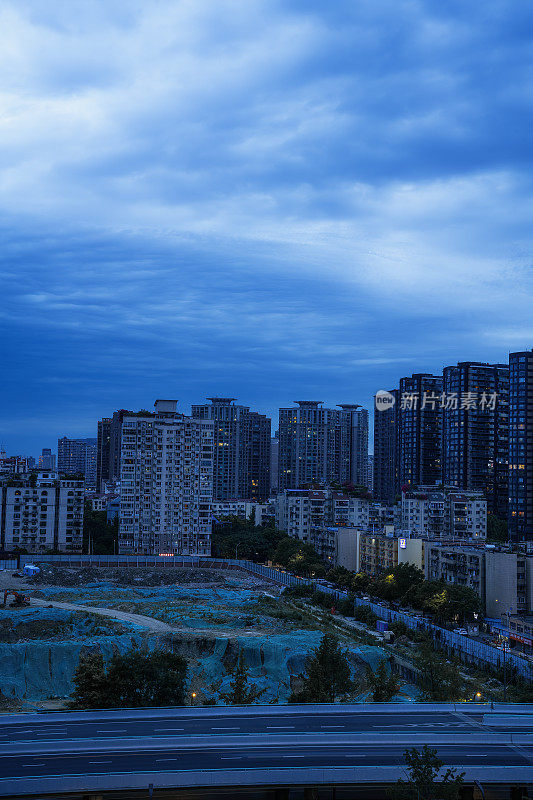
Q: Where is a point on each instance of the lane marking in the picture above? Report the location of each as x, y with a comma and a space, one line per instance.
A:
119, 730
48, 733
34, 765
225, 729
168, 730
166, 759
333, 726
100, 762
280, 727
230, 758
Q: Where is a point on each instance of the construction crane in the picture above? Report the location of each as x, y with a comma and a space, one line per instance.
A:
19, 599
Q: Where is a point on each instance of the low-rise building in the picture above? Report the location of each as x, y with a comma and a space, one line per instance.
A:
379, 553
521, 633
298, 511
258, 513
113, 509
347, 548
456, 564
444, 513
41, 511
503, 579
508, 583
100, 500
15, 465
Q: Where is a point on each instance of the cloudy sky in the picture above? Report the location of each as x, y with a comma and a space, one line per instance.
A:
268, 199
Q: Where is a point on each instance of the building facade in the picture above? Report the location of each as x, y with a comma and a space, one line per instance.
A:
475, 431
41, 512
109, 447
355, 421
274, 463
503, 579
258, 513
166, 483
103, 445
444, 514
260, 442
521, 447
379, 553
321, 446
47, 459
15, 465
241, 466
418, 443
385, 484
78, 456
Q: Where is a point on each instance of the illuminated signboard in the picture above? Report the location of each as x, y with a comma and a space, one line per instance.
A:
403, 544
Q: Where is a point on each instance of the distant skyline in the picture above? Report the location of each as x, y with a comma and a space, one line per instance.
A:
272, 200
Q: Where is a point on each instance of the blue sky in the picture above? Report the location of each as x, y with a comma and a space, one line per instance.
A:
271, 199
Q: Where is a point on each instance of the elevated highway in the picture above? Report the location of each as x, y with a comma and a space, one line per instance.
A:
78, 753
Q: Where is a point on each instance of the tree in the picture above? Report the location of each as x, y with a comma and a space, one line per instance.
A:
98, 532
383, 682
299, 557
440, 680
462, 603
90, 682
327, 674
360, 582
241, 692
341, 576
424, 783
497, 529
132, 680
253, 542
445, 601
400, 579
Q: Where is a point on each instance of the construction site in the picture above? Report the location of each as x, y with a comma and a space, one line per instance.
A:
207, 615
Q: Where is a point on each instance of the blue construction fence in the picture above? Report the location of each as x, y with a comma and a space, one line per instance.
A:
469, 650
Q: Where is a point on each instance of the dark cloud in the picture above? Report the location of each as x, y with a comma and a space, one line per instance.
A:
268, 199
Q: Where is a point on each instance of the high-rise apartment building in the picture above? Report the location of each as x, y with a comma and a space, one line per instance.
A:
418, 443
274, 463
78, 456
521, 446
166, 483
357, 424
385, 487
109, 445
41, 512
320, 446
475, 430
260, 430
103, 443
241, 463
370, 474
47, 459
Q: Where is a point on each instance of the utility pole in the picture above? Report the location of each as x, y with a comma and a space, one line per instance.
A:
504, 673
